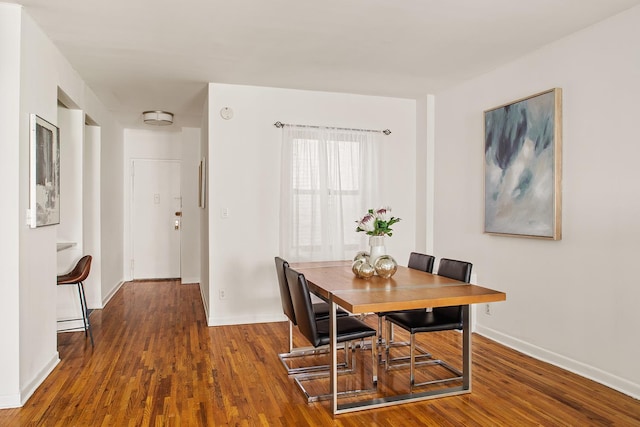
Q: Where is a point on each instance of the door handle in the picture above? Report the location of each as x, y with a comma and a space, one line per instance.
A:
178, 213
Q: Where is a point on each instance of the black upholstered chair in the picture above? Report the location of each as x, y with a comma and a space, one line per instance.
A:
417, 261
438, 319
76, 277
421, 262
320, 310
348, 330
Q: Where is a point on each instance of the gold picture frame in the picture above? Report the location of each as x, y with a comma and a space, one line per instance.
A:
523, 167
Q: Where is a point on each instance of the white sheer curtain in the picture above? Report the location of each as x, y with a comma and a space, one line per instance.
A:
329, 180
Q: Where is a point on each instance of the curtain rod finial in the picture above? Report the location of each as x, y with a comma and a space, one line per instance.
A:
386, 132
278, 124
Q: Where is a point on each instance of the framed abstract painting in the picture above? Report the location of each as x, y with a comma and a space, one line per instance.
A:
44, 171
523, 167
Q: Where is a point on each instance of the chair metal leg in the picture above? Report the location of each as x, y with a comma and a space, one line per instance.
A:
374, 364
412, 349
295, 352
82, 309
349, 348
421, 353
445, 365
386, 350
413, 362
85, 313
290, 336
353, 357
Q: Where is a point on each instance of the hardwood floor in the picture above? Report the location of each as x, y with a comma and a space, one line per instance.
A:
157, 363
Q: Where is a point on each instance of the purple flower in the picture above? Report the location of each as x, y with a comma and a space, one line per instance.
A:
377, 222
383, 214
367, 223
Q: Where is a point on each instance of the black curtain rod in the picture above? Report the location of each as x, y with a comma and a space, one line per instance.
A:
280, 125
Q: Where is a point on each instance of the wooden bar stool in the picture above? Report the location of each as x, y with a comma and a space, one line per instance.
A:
75, 277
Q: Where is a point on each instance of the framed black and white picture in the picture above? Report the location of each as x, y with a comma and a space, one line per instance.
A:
44, 171
523, 167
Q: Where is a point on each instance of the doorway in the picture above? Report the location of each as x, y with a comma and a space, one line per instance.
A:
156, 219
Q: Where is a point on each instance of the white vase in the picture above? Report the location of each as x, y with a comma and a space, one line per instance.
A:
377, 248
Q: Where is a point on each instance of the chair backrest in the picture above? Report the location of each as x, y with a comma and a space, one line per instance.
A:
453, 269
302, 305
457, 270
421, 262
285, 294
81, 271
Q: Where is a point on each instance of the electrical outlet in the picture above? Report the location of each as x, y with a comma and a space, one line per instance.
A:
222, 294
487, 309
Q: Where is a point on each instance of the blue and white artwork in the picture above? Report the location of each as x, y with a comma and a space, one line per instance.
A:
522, 167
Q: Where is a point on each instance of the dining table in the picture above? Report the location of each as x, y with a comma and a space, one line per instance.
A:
335, 282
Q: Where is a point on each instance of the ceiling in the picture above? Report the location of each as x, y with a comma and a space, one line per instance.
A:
140, 55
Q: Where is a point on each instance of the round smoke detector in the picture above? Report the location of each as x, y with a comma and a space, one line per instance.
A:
157, 118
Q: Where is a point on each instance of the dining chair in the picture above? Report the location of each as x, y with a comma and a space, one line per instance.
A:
438, 319
321, 311
421, 262
417, 261
348, 330
76, 277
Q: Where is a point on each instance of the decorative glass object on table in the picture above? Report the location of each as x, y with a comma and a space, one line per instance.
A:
385, 266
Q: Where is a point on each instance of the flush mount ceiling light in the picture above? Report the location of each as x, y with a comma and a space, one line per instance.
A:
157, 118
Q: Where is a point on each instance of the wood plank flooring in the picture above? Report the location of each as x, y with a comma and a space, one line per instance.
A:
156, 363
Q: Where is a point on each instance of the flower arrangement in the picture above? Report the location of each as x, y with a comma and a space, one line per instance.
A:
377, 222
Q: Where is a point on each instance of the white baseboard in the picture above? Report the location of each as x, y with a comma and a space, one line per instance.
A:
75, 324
620, 384
30, 388
205, 305
110, 295
9, 401
190, 280
243, 320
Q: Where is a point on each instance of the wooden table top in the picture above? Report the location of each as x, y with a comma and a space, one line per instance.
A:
407, 289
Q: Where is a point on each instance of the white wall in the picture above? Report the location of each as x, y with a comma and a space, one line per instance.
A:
183, 146
11, 217
32, 71
205, 137
425, 117
91, 214
190, 245
244, 177
70, 229
572, 302
111, 205
79, 212
37, 249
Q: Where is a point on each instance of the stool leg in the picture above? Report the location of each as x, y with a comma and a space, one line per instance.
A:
85, 314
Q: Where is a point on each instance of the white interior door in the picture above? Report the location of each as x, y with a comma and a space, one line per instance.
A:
156, 219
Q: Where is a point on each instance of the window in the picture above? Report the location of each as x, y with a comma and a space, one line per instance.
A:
328, 182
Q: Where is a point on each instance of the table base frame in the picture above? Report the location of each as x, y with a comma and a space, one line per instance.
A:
343, 408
